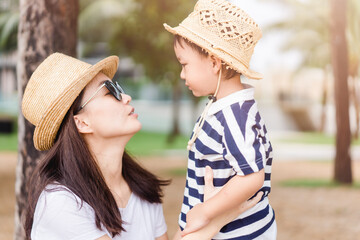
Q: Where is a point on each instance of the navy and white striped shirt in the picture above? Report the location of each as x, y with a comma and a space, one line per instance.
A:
233, 141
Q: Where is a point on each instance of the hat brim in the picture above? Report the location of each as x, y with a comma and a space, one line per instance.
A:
46, 131
227, 58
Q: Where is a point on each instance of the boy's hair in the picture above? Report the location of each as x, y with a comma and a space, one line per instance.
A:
226, 71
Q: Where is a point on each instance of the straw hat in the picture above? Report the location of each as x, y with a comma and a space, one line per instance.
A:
53, 88
223, 30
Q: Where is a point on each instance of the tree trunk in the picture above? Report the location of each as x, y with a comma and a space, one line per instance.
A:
175, 131
45, 27
342, 171
324, 98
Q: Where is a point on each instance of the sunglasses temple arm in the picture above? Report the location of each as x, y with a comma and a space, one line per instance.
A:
92, 95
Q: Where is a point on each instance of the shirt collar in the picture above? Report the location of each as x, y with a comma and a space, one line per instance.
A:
240, 96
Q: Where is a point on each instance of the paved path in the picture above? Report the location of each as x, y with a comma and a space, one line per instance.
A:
311, 152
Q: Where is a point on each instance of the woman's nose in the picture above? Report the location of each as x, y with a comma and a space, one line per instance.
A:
125, 98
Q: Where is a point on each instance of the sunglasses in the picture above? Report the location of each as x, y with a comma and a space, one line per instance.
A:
114, 89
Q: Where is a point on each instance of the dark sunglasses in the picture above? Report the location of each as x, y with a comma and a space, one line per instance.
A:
114, 89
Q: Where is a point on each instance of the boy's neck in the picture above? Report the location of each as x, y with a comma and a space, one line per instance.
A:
229, 86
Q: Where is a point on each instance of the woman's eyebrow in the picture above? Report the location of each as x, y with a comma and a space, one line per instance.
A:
102, 82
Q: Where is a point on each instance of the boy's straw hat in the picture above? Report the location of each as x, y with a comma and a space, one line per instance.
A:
223, 30
53, 88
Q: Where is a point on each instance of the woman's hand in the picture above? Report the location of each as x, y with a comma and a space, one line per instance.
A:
196, 229
196, 218
209, 189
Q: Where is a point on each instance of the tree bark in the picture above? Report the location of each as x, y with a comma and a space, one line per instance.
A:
324, 98
176, 96
45, 27
342, 171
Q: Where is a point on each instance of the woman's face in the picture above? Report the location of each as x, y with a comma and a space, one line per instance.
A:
103, 115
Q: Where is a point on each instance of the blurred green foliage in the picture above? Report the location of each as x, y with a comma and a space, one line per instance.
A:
9, 21
135, 28
309, 24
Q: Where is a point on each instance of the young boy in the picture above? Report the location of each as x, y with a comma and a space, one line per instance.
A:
214, 45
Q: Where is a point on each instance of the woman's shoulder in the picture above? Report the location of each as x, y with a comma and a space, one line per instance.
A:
59, 212
56, 194
56, 200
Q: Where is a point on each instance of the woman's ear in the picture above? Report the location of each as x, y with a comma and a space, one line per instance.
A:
82, 125
216, 64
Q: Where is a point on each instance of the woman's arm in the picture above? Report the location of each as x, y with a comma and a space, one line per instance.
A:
105, 237
177, 235
163, 237
210, 230
232, 195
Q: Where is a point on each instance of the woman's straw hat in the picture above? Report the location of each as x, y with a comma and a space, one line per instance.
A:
53, 88
223, 30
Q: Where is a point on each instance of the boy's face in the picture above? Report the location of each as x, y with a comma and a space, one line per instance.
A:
197, 70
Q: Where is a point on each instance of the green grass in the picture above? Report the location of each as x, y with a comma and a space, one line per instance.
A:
142, 144
315, 183
314, 138
151, 143
8, 142
178, 172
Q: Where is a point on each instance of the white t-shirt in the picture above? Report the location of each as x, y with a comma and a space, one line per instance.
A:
60, 215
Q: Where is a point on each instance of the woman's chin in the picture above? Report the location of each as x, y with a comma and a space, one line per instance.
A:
139, 128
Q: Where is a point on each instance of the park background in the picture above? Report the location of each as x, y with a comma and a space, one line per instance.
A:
296, 98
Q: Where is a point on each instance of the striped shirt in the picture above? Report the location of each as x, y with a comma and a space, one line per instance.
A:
233, 141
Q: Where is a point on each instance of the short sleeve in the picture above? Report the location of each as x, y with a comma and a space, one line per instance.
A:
243, 138
160, 227
60, 215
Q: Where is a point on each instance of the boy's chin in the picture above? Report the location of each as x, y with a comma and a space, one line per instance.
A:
197, 94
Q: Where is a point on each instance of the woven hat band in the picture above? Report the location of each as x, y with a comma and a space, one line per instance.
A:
217, 46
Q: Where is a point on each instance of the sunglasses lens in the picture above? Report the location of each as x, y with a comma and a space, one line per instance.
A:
119, 87
115, 89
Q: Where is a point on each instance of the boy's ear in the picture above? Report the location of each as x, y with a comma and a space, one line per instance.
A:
82, 125
216, 64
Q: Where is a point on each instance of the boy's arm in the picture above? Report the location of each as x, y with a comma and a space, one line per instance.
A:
235, 192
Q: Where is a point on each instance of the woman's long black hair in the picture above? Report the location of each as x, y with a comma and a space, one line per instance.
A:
70, 163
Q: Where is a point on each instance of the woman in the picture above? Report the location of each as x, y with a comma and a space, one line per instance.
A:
87, 186
77, 190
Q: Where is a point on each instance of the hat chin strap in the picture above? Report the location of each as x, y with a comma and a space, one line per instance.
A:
201, 121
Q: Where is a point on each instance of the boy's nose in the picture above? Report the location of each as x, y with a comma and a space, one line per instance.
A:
182, 75
125, 98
